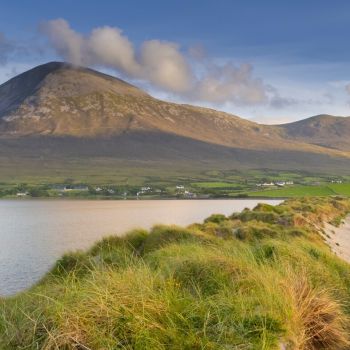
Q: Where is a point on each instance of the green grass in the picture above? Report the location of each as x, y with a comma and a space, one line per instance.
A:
214, 184
301, 191
342, 189
260, 279
130, 177
295, 191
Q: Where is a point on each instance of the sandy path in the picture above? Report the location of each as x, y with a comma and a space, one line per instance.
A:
338, 238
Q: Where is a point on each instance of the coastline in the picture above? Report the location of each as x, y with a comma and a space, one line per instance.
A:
338, 238
259, 263
142, 199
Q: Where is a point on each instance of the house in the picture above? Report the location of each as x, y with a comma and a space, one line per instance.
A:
336, 181
22, 194
180, 187
59, 188
188, 194
98, 189
146, 189
280, 183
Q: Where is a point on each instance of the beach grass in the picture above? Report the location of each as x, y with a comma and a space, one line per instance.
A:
259, 279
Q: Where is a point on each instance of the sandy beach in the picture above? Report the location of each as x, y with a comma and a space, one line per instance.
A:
338, 238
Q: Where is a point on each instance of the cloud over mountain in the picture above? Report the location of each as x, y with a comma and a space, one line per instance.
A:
161, 63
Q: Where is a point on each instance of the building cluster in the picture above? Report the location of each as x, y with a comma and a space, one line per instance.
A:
276, 183
108, 190
181, 190
68, 188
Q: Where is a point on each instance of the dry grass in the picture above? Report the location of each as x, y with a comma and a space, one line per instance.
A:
317, 318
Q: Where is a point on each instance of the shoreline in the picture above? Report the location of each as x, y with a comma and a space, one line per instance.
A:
338, 238
142, 199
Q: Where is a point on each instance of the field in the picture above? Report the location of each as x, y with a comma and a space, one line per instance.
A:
131, 177
260, 279
301, 191
213, 184
342, 189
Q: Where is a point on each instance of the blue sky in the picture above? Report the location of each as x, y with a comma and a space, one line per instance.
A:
271, 61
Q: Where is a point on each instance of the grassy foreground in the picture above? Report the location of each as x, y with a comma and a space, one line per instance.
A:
260, 279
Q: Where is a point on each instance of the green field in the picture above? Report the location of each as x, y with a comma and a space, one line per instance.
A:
301, 191
343, 189
213, 184
130, 177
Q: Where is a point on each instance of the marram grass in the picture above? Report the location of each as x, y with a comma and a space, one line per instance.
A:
260, 279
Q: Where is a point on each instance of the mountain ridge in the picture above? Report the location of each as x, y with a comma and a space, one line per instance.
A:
59, 100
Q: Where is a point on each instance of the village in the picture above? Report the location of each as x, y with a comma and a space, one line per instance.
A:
186, 189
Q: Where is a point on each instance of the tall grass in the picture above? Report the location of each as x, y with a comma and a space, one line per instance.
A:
261, 279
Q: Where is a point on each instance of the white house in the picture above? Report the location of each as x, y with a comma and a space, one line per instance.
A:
22, 194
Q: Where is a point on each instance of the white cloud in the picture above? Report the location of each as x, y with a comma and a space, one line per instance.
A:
230, 83
160, 63
165, 66
68, 43
108, 46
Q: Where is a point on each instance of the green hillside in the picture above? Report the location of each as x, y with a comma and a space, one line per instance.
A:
260, 279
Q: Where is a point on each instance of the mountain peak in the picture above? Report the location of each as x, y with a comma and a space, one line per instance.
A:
35, 92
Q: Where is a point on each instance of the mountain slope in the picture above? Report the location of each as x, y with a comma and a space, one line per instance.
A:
323, 130
63, 100
57, 112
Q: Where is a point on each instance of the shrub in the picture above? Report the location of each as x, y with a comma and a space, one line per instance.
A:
162, 235
256, 231
215, 218
77, 263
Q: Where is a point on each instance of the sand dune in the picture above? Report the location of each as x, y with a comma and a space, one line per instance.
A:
338, 238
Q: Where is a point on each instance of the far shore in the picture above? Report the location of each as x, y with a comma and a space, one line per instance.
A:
141, 199
338, 238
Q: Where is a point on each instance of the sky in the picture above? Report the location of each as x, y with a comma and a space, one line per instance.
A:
272, 61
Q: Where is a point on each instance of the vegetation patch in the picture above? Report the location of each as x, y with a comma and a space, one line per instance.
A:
259, 279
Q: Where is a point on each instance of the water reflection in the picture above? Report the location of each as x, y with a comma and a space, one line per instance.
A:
34, 233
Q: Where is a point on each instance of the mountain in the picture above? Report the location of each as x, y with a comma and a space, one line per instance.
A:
61, 116
323, 130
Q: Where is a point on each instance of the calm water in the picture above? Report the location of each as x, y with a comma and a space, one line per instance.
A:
34, 233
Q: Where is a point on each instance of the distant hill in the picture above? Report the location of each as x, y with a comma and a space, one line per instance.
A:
323, 130
59, 115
